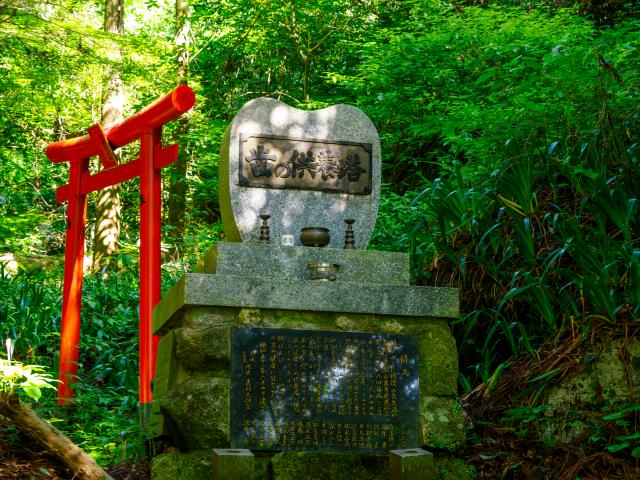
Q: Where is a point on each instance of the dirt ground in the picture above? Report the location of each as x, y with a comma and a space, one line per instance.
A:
23, 459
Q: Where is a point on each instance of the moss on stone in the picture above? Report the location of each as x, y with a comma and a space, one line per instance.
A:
232, 464
204, 348
438, 360
207, 317
199, 409
443, 423
602, 379
410, 464
182, 466
328, 466
261, 467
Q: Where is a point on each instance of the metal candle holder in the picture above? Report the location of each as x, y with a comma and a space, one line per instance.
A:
349, 239
264, 229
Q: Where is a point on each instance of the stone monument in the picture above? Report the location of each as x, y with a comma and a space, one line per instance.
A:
280, 360
303, 168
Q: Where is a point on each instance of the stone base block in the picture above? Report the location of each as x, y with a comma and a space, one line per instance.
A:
274, 261
410, 464
232, 464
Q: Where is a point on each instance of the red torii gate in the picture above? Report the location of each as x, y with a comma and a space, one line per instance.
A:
146, 126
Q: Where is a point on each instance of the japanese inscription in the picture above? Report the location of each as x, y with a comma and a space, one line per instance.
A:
330, 391
280, 162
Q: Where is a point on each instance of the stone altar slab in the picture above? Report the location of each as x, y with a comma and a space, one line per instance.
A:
304, 168
323, 390
196, 289
276, 261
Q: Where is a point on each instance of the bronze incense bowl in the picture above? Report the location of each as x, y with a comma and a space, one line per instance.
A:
315, 236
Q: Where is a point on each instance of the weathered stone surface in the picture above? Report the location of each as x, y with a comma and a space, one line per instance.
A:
232, 464
247, 292
451, 468
437, 353
168, 373
206, 317
443, 423
204, 348
276, 262
602, 379
292, 209
438, 360
410, 464
197, 411
165, 366
328, 466
168, 314
182, 466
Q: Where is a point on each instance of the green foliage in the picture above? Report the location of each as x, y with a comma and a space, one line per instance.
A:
28, 379
626, 418
565, 254
104, 420
16, 378
523, 119
30, 313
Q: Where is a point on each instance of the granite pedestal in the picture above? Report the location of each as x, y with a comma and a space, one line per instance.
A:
248, 285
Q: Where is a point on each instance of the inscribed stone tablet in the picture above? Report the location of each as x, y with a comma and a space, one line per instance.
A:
303, 168
328, 391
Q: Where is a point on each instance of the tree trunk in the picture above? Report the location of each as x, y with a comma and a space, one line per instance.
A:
178, 176
50, 438
107, 226
307, 73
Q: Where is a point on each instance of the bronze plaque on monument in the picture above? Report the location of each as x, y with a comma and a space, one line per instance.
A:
321, 390
281, 162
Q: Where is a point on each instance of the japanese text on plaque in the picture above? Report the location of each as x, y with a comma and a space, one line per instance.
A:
279, 162
301, 389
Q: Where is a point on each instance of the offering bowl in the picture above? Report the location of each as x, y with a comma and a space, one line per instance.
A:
315, 236
323, 271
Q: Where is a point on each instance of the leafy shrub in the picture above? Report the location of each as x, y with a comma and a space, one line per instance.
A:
528, 122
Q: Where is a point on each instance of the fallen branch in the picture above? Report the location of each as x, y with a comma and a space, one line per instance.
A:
54, 441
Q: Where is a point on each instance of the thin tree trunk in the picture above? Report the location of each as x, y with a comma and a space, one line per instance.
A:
178, 177
50, 438
307, 73
108, 206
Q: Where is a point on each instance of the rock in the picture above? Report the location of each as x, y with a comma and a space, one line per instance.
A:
410, 464
600, 379
443, 423
205, 348
197, 411
438, 360
232, 463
